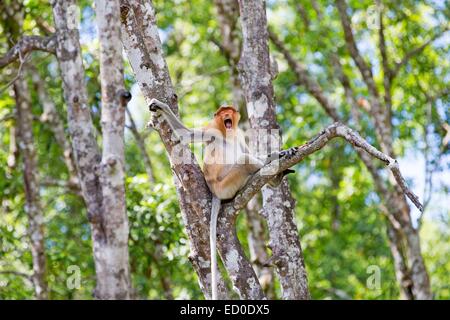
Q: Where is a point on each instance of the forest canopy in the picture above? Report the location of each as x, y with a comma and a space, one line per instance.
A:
92, 204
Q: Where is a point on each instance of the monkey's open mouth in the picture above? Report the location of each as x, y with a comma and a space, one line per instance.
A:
228, 123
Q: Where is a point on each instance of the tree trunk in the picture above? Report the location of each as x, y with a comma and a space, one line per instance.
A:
13, 152
31, 184
239, 269
278, 205
401, 270
112, 275
258, 249
113, 251
228, 18
51, 116
12, 24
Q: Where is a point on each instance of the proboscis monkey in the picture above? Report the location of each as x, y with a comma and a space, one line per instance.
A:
227, 162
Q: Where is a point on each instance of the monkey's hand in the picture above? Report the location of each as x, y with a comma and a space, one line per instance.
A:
158, 106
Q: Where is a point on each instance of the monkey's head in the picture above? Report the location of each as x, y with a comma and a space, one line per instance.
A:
226, 119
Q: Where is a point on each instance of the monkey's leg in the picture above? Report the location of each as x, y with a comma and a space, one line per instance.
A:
251, 163
228, 184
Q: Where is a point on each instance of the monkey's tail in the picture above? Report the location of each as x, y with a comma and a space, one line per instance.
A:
215, 208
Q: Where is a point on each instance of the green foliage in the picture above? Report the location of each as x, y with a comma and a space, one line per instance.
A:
436, 237
158, 244
341, 228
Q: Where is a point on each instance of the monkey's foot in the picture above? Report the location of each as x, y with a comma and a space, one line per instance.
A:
275, 182
281, 154
288, 153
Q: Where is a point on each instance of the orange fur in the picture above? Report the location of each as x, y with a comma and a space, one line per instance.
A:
225, 179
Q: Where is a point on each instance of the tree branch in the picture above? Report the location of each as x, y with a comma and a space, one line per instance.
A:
304, 78
303, 14
382, 40
350, 95
70, 185
415, 51
17, 273
26, 45
387, 71
331, 108
381, 116
362, 65
297, 154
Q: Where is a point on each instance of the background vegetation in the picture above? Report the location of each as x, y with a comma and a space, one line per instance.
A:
337, 211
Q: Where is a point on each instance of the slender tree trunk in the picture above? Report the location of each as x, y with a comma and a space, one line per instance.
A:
31, 184
258, 249
13, 152
51, 116
278, 205
81, 129
12, 22
230, 45
109, 228
417, 268
401, 270
115, 273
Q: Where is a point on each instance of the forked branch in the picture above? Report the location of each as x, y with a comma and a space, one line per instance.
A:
297, 154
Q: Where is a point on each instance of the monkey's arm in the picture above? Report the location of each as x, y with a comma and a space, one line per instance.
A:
186, 135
